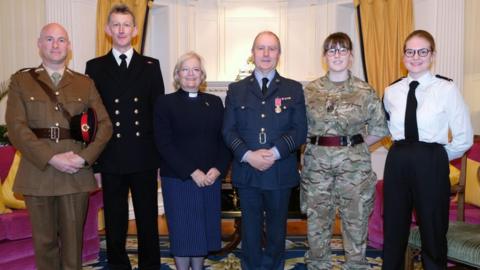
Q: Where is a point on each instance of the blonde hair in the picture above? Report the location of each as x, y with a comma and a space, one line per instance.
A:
178, 66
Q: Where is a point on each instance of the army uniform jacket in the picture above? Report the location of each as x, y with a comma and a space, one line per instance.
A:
28, 107
344, 110
253, 122
129, 99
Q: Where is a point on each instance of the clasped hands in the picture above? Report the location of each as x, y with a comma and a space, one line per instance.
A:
67, 162
202, 179
261, 159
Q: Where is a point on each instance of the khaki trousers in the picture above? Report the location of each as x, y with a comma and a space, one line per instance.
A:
57, 227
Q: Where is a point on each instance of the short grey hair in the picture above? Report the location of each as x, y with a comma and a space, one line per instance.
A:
178, 66
267, 33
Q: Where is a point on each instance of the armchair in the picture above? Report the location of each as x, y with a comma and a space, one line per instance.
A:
463, 236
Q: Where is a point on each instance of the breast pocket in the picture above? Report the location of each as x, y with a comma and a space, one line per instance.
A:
350, 113
75, 105
36, 109
283, 115
244, 114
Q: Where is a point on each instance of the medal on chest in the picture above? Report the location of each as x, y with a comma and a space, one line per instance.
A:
278, 105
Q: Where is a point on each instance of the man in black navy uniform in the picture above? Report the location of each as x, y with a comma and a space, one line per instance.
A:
129, 85
264, 125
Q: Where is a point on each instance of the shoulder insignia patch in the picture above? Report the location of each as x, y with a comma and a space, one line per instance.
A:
444, 78
23, 70
397, 80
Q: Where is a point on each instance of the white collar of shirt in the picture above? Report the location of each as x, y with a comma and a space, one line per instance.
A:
117, 53
259, 76
51, 71
423, 81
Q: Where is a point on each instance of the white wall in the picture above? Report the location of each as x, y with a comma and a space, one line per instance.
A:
20, 23
222, 31
472, 61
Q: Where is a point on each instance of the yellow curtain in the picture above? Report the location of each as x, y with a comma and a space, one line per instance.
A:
104, 42
385, 25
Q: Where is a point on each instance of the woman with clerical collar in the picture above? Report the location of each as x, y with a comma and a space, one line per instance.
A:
194, 159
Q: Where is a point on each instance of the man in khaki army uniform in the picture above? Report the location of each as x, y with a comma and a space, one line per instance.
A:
337, 170
54, 174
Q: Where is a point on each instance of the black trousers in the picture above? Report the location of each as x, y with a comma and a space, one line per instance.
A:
416, 176
143, 187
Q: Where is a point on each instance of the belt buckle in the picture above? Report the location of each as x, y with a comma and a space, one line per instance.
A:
54, 134
345, 141
262, 136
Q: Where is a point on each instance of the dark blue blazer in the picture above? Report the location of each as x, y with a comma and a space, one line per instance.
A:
129, 99
188, 134
282, 116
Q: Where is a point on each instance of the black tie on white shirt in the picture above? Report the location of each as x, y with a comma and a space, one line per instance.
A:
123, 64
411, 127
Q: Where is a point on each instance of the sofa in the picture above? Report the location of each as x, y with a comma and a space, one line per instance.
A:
16, 246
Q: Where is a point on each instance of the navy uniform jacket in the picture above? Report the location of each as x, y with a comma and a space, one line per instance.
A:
129, 99
253, 122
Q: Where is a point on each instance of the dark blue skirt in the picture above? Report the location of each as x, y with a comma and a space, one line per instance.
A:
193, 216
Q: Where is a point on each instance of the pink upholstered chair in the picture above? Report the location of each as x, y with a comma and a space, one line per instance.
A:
16, 247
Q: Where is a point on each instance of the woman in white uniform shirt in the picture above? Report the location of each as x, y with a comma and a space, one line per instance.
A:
421, 108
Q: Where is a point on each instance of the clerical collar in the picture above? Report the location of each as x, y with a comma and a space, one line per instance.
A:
192, 94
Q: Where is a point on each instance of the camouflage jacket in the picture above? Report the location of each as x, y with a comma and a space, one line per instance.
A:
348, 108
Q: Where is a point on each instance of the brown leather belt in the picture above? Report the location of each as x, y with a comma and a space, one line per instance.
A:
337, 140
52, 133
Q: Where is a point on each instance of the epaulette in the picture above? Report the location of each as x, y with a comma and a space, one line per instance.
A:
24, 70
397, 80
75, 73
444, 78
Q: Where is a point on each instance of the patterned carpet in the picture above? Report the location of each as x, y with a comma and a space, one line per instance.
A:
296, 247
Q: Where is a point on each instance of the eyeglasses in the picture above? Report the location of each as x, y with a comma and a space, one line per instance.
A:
186, 70
421, 52
333, 51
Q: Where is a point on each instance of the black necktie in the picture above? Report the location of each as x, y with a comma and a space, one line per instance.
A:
264, 86
411, 128
123, 64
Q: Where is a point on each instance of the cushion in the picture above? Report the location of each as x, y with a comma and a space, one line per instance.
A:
472, 192
6, 158
8, 196
3, 208
463, 242
454, 175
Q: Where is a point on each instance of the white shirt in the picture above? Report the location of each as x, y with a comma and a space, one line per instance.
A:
440, 108
117, 54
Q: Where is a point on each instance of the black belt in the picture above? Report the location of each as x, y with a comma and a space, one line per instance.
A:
337, 140
52, 133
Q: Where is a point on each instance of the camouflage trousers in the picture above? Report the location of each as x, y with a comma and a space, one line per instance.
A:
337, 178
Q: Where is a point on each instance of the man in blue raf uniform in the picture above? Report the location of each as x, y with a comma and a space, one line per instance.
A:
264, 125
129, 84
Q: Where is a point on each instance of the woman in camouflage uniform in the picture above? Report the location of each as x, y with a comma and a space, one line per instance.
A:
344, 117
